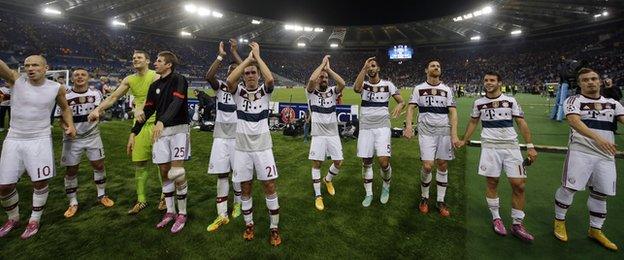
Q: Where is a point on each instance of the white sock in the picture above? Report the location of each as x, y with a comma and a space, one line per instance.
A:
273, 206
597, 206
71, 188
367, 174
425, 182
10, 204
168, 188
442, 183
181, 191
99, 177
316, 181
223, 187
386, 176
333, 171
493, 205
563, 200
39, 200
236, 186
517, 216
247, 208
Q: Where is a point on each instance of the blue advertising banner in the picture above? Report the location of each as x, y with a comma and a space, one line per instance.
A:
345, 112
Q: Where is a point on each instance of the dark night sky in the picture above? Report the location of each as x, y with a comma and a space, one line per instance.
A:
341, 12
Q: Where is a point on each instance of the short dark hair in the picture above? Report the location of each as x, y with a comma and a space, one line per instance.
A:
432, 60
494, 73
170, 58
145, 54
585, 71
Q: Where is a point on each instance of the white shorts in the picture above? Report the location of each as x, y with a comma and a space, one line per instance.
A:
434, 147
246, 162
582, 170
35, 156
169, 148
374, 141
74, 148
494, 160
322, 146
221, 156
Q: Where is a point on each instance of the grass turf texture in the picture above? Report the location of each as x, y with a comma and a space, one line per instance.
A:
344, 229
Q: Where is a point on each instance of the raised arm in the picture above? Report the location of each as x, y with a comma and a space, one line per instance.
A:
264, 69
212, 71
313, 81
234, 51
575, 122
110, 101
67, 118
340, 83
359, 81
9, 75
234, 77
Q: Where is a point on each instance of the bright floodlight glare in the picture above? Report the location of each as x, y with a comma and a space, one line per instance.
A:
297, 28
516, 32
245, 41
334, 45
487, 10
217, 14
185, 33
475, 38
254, 21
308, 29
191, 8
597, 15
203, 11
241, 40
52, 11
318, 29
301, 44
118, 23
288, 27
605, 13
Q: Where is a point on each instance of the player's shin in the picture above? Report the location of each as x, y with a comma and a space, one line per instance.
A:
40, 197
563, 200
247, 207
442, 183
333, 172
71, 188
386, 175
99, 177
597, 205
223, 186
181, 191
273, 206
367, 175
316, 181
167, 189
425, 182
140, 174
10, 203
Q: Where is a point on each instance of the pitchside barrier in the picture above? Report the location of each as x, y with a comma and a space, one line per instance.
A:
545, 148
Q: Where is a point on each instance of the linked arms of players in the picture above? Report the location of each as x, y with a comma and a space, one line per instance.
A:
67, 119
111, 100
9, 75
575, 122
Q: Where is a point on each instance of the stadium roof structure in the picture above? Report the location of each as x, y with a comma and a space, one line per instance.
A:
345, 24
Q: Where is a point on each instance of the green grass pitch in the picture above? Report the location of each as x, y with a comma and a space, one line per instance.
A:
344, 230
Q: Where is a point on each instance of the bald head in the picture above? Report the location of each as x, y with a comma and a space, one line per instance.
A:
36, 67
36, 58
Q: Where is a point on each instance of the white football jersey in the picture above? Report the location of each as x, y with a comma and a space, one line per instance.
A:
323, 112
496, 115
225, 123
252, 111
31, 109
599, 115
433, 103
374, 107
81, 105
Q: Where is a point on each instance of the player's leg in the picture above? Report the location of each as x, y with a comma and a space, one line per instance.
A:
444, 153
222, 197
383, 149
236, 186
266, 171
493, 203
365, 150
243, 174
39, 163
95, 153
517, 209
427, 145
334, 149
168, 189
141, 154
39, 199
219, 165
602, 184
71, 189
318, 149
177, 174
11, 167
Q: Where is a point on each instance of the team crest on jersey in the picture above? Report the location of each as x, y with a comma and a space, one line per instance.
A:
505, 104
597, 106
82, 100
443, 94
433, 92
495, 104
374, 89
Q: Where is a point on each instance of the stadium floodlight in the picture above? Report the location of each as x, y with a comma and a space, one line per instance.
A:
254, 21
191, 8
477, 13
288, 27
202, 11
468, 16
51, 11
118, 23
597, 15
319, 29
297, 28
605, 13
301, 44
334, 45
185, 34
487, 10
516, 32
308, 29
475, 38
216, 14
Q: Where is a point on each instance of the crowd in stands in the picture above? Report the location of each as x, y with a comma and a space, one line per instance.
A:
107, 52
